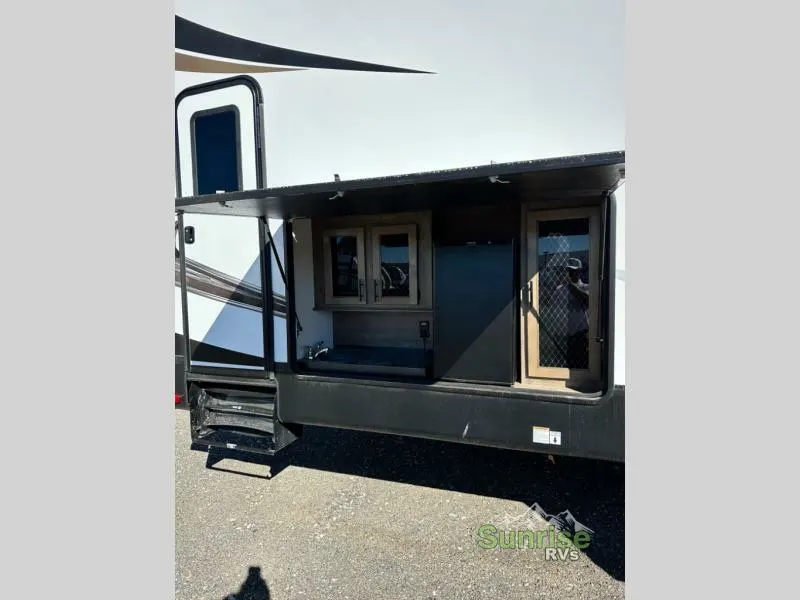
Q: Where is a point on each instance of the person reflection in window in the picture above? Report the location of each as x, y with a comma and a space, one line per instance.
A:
578, 317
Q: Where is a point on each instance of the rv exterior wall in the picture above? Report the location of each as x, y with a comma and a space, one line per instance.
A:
510, 80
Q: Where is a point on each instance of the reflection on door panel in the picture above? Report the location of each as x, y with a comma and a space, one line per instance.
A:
563, 256
395, 264
345, 266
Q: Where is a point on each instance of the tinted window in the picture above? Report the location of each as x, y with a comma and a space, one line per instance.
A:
395, 263
344, 265
216, 152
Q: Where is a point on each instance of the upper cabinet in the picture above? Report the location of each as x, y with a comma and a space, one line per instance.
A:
394, 265
379, 262
344, 266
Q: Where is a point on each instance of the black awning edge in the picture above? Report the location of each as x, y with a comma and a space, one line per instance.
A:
466, 173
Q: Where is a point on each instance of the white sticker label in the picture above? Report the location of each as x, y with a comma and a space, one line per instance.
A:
541, 435
555, 438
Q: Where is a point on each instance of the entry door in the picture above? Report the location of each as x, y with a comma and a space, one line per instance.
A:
219, 149
560, 304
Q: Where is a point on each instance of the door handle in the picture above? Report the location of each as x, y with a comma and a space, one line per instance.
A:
527, 296
360, 289
377, 289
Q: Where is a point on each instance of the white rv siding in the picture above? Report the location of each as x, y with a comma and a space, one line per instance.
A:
512, 80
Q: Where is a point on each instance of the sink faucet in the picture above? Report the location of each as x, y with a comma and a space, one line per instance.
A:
316, 350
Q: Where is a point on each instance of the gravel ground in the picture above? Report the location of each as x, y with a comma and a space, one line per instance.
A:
353, 515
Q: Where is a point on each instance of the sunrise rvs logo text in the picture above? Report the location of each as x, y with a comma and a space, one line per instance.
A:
562, 539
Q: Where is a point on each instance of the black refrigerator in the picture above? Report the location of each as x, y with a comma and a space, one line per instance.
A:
474, 320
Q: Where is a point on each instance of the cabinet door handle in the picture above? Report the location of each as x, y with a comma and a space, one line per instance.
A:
527, 297
377, 290
360, 289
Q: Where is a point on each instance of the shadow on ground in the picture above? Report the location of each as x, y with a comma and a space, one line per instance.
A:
593, 491
253, 588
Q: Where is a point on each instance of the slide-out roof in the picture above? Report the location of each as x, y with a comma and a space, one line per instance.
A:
565, 177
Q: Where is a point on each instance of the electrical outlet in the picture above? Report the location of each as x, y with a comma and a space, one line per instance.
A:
424, 329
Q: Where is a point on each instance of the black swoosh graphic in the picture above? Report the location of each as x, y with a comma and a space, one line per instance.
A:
209, 353
215, 285
192, 37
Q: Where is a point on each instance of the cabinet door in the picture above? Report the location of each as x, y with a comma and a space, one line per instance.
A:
394, 265
344, 266
563, 286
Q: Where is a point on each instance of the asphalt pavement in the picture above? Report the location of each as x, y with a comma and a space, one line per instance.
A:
352, 515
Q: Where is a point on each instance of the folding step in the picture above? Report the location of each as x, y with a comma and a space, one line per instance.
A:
236, 415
